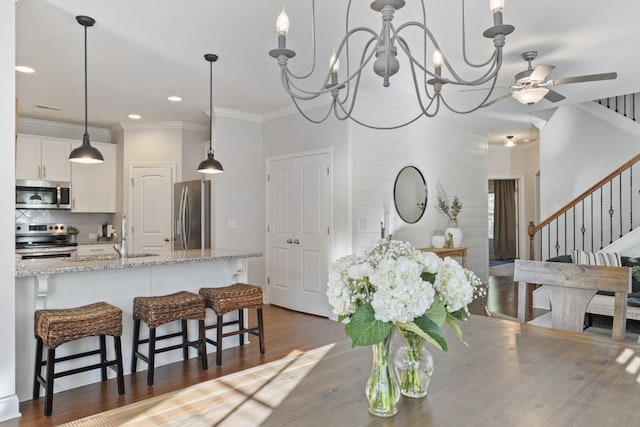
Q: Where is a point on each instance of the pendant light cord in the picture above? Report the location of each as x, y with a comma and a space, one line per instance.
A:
86, 102
211, 107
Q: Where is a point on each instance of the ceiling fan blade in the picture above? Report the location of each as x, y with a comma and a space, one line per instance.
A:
498, 99
554, 96
541, 72
587, 78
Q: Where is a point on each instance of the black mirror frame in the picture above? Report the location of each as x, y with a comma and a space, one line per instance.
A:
426, 194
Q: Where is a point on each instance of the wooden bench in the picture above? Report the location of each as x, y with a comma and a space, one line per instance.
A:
571, 288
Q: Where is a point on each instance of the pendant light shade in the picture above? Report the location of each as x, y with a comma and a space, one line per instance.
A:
85, 153
210, 165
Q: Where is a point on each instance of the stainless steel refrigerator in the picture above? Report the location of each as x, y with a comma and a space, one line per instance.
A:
192, 213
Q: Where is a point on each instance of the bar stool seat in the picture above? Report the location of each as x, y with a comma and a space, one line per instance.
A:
54, 327
158, 310
226, 299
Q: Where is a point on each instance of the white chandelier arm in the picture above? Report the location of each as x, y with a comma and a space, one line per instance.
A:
313, 41
287, 85
306, 116
464, 44
458, 80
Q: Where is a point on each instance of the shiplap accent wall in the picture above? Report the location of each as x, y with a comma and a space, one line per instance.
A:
442, 151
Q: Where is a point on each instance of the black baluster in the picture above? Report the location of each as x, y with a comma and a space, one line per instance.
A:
549, 241
583, 228
565, 232
601, 216
631, 197
611, 212
620, 198
557, 246
591, 221
624, 97
573, 211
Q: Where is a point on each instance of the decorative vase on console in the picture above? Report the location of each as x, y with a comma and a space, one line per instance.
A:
437, 239
455, 232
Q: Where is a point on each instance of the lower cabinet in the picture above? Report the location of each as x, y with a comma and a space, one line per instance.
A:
96, 249
93, 186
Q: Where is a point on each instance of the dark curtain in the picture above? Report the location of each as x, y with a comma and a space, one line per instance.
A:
504, 226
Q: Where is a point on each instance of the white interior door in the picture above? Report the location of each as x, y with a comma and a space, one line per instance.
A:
299, 215
151, 210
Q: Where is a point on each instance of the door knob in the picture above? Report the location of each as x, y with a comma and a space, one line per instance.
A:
166, 239
289, 241
297, 242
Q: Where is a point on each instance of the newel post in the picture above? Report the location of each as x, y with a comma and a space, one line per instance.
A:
532, 232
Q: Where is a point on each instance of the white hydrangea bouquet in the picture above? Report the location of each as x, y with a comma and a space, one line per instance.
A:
394, 285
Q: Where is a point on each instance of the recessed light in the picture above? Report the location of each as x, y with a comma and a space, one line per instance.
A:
135, 116
25, 69
174, 98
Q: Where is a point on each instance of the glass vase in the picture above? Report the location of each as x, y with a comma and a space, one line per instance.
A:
413, 365
382, 392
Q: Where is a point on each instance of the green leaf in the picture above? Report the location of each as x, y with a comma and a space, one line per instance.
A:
364, 329
341, 318
428, 277
453, 325
461, 314
431, 331
437, 312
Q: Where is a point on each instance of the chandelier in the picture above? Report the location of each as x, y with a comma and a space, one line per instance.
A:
382, 49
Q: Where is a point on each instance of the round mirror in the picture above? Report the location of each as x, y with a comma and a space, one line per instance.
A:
410, 194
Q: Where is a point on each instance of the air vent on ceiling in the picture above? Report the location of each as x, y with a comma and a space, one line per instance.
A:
48, 107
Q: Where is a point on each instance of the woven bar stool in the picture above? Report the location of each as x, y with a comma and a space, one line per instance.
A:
55, 327
158, 310
229, 298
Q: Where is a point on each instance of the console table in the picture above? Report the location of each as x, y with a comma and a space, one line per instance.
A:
460, 252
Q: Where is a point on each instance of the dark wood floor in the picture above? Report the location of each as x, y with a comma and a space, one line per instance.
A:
285, 331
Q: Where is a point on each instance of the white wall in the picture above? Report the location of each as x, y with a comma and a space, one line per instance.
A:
239, 203
8, 398
442, 151
579, 146
522, 163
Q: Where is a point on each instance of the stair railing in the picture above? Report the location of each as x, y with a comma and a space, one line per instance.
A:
623, 104
594, 219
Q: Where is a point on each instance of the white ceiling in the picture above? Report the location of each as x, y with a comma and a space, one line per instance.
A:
141, 51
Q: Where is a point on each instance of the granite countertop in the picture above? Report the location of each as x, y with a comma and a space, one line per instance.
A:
36, 267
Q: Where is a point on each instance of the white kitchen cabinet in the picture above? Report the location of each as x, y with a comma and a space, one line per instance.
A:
96, 249
93, 186
43, 158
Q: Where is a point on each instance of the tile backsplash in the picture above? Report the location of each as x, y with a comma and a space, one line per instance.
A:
87, 223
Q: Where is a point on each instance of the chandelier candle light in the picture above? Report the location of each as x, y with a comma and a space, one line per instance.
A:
382, 48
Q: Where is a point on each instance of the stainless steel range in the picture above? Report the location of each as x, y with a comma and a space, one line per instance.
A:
43, 241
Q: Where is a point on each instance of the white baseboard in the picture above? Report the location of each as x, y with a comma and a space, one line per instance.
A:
9, 407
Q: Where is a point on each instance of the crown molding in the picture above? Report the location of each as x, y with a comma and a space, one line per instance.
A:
161, 125
65, 130
236, 114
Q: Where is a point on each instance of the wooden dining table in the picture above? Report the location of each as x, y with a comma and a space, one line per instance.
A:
510, 374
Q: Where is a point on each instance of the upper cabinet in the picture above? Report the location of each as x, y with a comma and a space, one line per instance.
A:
93, 186
43, 158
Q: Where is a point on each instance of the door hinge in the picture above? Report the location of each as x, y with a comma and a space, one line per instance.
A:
267, 228
268, 177
327, 170
132, 182
268, 280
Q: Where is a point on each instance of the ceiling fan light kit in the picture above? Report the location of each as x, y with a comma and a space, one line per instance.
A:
85, 153
531, 85
382, 51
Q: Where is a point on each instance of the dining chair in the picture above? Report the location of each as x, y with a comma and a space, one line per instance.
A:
570, 288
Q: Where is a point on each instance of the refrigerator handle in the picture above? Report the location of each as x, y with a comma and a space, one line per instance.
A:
182, 218
187, 219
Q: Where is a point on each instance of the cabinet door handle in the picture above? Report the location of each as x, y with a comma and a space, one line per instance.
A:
73, 203
44, 171
297, 242
289, 241
39, 171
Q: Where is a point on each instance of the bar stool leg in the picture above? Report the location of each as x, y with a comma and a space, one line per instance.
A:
38, 369
119, 371
48, 401
185, 339
260, 331
136, 336
103, 357
241, 326
203, 345
152, 355
219, 341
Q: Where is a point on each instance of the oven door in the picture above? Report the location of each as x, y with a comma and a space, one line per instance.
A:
47, 252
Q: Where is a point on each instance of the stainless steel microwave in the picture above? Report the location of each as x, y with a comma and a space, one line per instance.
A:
42, 195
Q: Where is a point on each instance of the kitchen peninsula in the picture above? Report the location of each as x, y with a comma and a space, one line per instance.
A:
69, 282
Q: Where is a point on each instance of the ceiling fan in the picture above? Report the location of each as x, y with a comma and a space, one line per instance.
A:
531, 84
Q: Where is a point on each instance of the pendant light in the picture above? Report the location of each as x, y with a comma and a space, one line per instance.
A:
85, 153
210, 165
